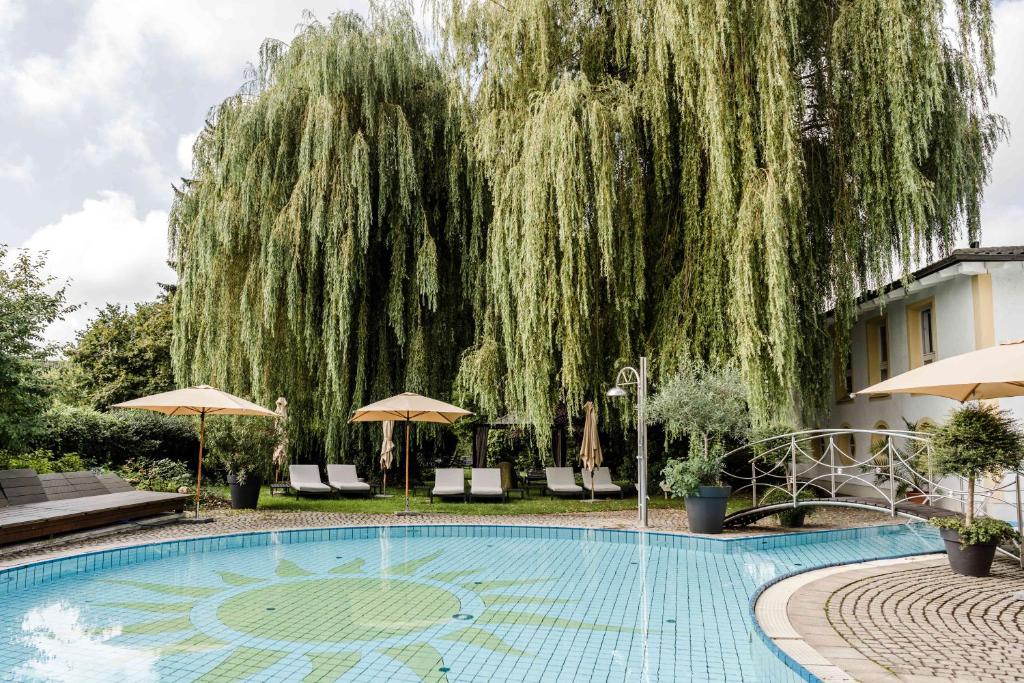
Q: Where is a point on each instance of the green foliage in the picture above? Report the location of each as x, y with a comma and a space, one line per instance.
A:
981, 530
156, 475
27, 308
570, 184
978, 439
122, 355
789, 518
702, 468
42, 461
114, 438
320, 243
704, 178
708, 403
240, 445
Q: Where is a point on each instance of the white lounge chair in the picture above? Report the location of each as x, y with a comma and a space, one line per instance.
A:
486, 482
449, 481
602, 482
562, 482
343, 478
306, 479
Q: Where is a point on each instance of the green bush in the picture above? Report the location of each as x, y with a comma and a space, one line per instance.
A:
242, 446
789, 518
42, 461
702, 468
980, 531
116, 437
155, 475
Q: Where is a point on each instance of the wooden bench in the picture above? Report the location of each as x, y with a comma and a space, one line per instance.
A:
33, 506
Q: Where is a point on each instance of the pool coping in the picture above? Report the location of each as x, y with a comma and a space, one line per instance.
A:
35, 571
769, 613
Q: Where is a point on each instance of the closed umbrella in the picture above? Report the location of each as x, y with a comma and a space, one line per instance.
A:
202, 400
387, 451
281, 425
409, 407
590, 450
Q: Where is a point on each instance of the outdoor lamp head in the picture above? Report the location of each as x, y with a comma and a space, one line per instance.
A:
616, 391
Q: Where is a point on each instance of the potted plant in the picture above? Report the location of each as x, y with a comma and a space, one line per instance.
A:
709, 404
794, 517
977, 440
242, 447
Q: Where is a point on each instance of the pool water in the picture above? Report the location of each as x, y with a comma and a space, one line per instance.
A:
416, 604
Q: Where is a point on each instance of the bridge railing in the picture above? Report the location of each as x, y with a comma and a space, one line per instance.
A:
898, 468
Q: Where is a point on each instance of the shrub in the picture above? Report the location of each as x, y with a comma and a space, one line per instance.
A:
240, 445
982, 530
114, 438
788, 518
155, 475
701, 468
42, 461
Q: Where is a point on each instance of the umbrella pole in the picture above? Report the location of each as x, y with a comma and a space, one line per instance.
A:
199, 469
407, 466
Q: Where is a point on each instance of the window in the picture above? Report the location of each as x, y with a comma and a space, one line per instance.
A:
927, 338
883, 352
848, 374
922, 342
842, 374
877, 339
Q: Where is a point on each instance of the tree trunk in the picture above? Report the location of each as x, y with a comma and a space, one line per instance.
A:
969, 516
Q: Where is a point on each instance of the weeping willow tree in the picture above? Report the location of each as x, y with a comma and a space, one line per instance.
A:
567, 184
702, 178
320, 242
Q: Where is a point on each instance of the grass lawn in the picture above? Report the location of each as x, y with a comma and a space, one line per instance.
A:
535, 505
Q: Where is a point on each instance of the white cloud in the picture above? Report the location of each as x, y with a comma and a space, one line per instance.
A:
11, 12
117, 38
127, 134
17, 171
184, 150
109, 253
1003, 212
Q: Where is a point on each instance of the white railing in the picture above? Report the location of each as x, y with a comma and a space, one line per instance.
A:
897, 469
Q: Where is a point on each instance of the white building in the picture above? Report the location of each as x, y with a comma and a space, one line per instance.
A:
971, 299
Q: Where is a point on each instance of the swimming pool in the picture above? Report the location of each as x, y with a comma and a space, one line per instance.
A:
416, 603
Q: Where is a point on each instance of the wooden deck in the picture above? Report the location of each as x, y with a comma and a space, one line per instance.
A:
50, 517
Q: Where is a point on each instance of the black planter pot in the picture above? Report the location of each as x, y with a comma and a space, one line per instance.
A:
705, 511
971, 560
244, 496
793, 519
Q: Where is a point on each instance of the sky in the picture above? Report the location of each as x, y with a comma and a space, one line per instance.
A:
101, 100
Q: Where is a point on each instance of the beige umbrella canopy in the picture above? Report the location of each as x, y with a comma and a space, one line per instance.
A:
387, 451
409, 407
202, 400
993, 372
590, 450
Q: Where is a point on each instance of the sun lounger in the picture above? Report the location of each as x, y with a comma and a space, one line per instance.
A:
306, 479
602, 482
449, 481
486, 482
343, 478
562, 482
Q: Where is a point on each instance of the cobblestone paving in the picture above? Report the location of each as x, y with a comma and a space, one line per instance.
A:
929, 622
226, 522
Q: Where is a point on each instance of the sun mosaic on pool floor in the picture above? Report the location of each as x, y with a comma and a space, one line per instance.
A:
339, 620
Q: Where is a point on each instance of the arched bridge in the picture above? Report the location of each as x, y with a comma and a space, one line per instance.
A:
822, 468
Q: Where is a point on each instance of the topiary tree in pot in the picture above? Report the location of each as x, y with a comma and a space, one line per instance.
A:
977, 440
242, 447
708, 404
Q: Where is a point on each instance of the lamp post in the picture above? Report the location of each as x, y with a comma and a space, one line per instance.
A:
629, 376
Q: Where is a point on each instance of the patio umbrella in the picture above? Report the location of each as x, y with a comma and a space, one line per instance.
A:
992, 372
590, 450
989, 373
202, 400
409, 407
387, 450
280, 424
